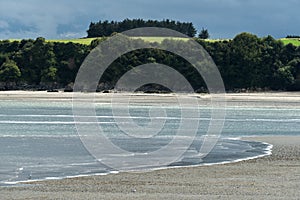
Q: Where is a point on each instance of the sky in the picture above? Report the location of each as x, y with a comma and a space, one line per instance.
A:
58, 19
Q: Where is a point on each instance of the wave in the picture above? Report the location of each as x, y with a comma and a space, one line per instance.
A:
266, 149
12, 183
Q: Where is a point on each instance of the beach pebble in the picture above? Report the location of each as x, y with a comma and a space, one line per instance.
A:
133, 190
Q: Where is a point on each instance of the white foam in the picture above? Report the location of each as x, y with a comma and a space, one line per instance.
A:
58, 178
267, 152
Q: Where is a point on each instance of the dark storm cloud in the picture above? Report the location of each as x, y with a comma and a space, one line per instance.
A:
223, 18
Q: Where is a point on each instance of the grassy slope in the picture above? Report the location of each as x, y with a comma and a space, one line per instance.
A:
87, 41
294, 41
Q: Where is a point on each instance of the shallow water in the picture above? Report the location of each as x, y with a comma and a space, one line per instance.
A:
38, 140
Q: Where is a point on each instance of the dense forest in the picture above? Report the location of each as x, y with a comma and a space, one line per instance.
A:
256, 63
106, 28
246, 63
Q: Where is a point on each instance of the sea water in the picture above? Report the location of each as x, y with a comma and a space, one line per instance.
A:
39, 140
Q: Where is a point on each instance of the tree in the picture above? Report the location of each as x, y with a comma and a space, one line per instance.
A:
203, 34
284, 77
34, 57
106, 28
245, 60
9, 71
49, 75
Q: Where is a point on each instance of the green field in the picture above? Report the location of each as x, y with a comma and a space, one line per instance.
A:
159, 39
87, 41
294, 41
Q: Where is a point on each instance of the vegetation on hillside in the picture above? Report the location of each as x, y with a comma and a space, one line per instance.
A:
251, 62
106, 28
245, 62
293, 41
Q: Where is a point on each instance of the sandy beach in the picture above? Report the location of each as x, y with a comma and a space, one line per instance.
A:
263, 99
272, 177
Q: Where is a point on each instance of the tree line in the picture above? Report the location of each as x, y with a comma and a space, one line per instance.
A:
245, 62
107, 28
292, 36
256, 63
37, 63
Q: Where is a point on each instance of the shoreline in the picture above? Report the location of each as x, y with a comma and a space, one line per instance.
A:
266, 152
273, 176
259, 99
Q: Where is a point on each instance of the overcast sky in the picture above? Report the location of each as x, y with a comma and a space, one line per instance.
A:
223, 18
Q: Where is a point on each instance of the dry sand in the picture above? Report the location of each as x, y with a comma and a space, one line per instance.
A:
269, 99
272, 177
